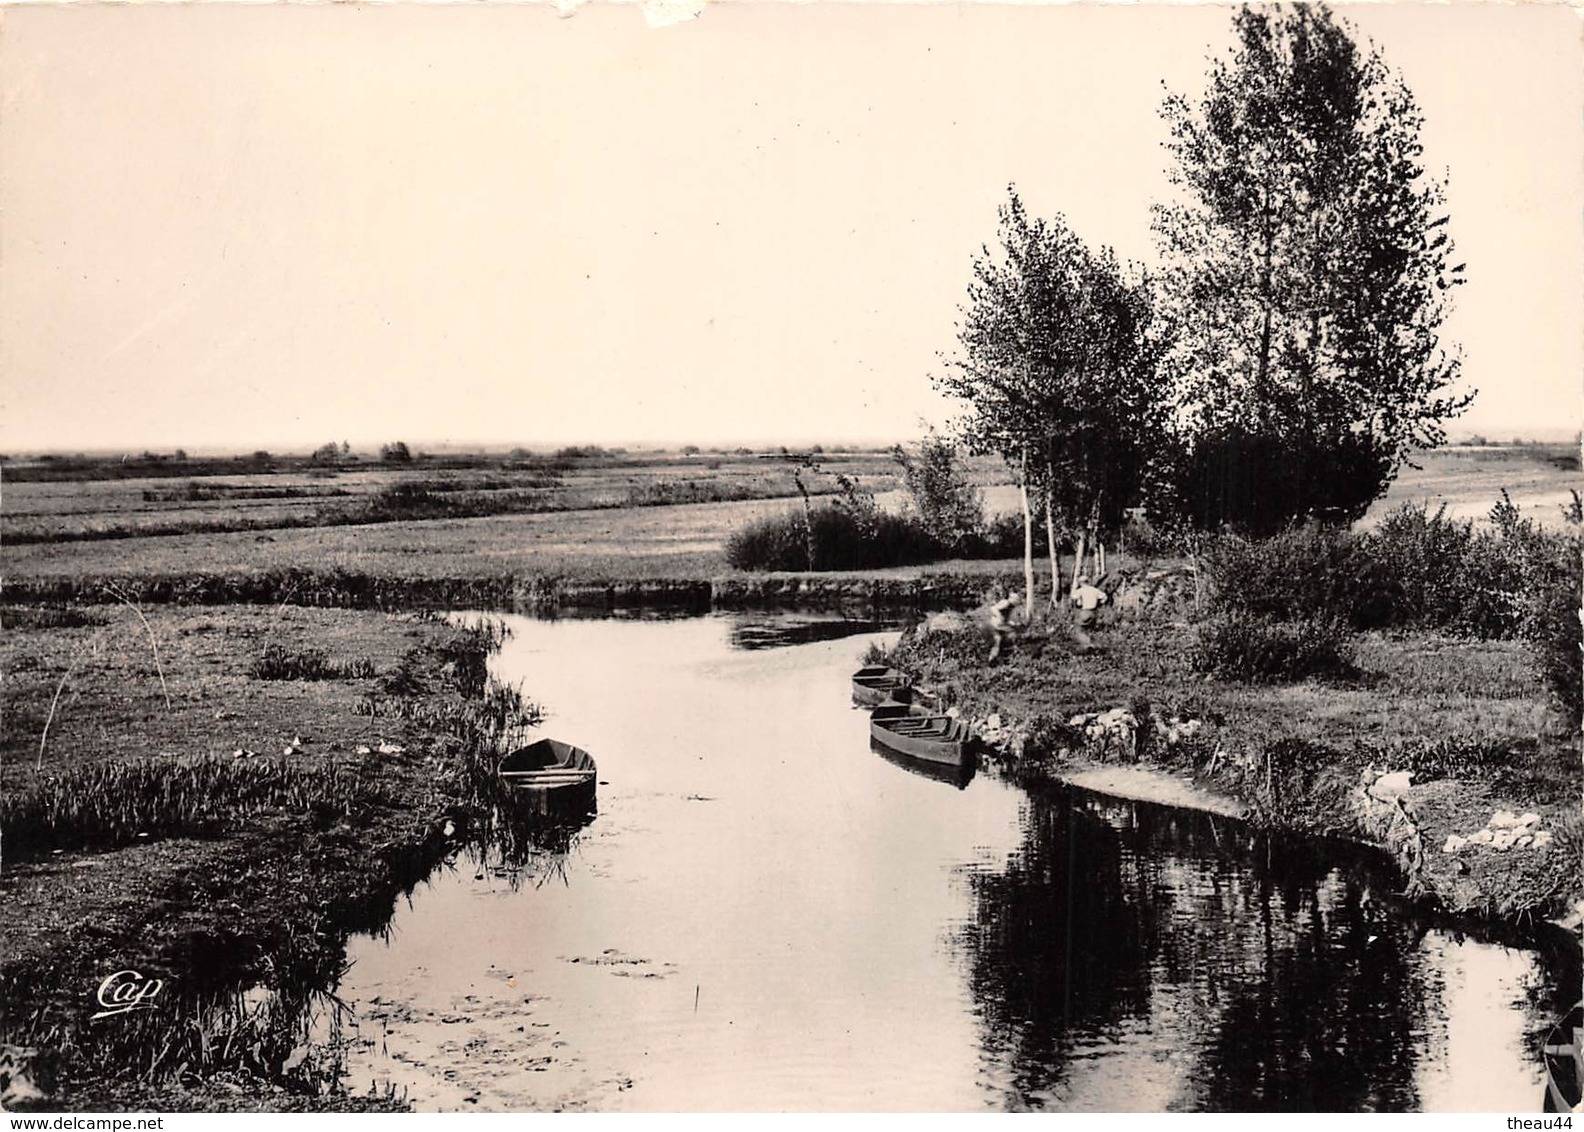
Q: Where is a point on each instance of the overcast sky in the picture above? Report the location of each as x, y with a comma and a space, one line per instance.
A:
273, 226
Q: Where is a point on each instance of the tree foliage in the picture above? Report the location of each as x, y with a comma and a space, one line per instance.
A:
1056, 367
948, 504
1308, 263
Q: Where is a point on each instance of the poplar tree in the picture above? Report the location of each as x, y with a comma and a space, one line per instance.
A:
1309, 271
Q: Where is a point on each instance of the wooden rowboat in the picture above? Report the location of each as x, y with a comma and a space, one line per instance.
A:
548, 764
874, 683
1564, 1063
958, 775
909, 731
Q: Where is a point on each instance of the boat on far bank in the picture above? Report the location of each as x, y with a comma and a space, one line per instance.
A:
876, 683
915, 733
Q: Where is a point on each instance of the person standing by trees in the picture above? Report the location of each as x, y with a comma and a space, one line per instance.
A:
1002, 606
1087, 598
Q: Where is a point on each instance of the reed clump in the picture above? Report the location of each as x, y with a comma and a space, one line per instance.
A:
278, 662
116, 802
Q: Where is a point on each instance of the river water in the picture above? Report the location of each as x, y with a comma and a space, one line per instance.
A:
767, 915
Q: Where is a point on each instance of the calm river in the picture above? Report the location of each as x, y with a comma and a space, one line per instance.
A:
767, 915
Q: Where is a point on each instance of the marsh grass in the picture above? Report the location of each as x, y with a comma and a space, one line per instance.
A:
193, 492
303, 852
662, 493
394, 494
52, 617
1470, 757
279, 662
295, 585
117, 802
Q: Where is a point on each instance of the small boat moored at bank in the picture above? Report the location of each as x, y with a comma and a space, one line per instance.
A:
917, 734
955, 774
875, 683
549, 765
1564, 1063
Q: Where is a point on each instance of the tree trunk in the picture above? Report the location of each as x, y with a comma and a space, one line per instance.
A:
1028, 546
1078, 560
1267, 302
1050, 540
808, 526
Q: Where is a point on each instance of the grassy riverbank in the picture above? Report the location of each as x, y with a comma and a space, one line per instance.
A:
1467, 718
203, 821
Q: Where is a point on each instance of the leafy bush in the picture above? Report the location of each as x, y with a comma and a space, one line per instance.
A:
1002, 537
397, 453
1553, 630
1259, 650
1449, 576
949, 506
1505, 580
840, 538
1143, 539
1309, 573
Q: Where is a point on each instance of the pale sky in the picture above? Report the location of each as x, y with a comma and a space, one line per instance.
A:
275, 226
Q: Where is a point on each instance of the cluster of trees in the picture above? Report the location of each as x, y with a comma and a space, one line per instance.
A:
1285, 358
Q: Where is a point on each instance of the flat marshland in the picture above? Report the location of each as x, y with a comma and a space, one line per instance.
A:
185, 781
616, 517
514, 512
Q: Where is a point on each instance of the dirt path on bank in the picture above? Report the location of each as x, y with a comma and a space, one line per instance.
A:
1145, 785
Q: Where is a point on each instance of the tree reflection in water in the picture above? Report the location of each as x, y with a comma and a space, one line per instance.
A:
1129, 941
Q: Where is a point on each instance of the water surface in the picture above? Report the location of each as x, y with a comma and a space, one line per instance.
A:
767, 915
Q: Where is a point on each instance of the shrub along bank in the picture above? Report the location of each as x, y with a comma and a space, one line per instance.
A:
1418, 570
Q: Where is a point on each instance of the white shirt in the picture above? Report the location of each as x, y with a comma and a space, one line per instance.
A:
1088, 597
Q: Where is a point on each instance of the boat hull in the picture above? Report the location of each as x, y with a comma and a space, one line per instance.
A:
1564, 1063
911, 732
955, 774
875, 683
550, 776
